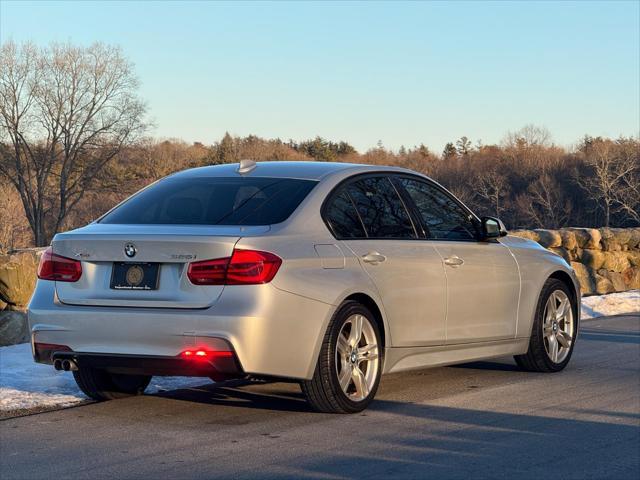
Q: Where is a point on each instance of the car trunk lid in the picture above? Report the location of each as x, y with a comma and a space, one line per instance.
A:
101, 246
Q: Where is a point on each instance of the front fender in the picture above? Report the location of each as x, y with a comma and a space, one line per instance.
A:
536, 265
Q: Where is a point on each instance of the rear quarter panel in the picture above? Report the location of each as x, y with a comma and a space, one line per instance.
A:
302, 271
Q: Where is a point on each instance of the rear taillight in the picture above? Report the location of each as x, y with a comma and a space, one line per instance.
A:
244, 267
251, 267
208, 272
58, 268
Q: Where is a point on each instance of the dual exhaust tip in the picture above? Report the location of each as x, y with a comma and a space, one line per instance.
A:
65, 365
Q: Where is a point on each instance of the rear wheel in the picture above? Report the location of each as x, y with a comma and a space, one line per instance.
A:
349, 367
554, 330
102, 385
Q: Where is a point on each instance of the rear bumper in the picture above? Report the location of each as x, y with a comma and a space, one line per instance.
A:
272, 332
219, 368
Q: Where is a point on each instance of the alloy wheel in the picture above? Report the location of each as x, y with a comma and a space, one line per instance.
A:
558, 326
357, 357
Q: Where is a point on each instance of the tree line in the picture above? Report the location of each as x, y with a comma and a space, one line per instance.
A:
73, 144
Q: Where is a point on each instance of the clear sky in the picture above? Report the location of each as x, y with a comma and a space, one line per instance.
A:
402, 73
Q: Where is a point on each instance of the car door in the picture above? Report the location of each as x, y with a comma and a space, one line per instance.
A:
483, 282
369, 216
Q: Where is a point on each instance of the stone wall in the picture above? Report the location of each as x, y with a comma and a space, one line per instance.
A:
606, 260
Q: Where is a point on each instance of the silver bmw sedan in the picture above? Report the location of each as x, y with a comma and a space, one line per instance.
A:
326, 274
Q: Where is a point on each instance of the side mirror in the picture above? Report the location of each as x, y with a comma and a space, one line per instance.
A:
492, 228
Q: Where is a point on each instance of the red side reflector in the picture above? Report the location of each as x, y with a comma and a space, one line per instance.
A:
58, 268
245, 267
204, 354
51, 346
44, 351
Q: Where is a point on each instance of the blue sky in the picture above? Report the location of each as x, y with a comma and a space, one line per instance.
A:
402, 73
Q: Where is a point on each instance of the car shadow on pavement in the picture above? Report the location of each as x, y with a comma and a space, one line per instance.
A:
260, 395
280, 396
504, 367
449, 442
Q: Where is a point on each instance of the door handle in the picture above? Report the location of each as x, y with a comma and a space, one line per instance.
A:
373, 258
453, 261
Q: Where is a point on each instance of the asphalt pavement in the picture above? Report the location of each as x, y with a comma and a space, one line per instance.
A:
478, 420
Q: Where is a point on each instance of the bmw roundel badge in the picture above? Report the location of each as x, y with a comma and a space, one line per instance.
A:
130, 250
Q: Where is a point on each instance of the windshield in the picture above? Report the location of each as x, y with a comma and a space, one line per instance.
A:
213, 201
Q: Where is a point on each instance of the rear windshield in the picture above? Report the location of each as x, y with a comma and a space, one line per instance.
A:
213, 201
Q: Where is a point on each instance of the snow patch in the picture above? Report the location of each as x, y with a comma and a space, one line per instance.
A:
612, 304
11, 399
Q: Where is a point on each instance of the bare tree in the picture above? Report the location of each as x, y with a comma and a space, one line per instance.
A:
492, 188
528, 145
613, 179
545, 204
65, 112
531, 135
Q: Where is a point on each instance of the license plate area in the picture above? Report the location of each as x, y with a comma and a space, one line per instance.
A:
134, 276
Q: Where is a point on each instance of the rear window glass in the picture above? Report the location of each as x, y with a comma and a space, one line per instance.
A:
213, 201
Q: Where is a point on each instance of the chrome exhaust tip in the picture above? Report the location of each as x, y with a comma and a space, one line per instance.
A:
57, 364
69, 365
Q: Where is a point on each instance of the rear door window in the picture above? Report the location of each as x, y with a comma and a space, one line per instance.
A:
380, 208
213, 201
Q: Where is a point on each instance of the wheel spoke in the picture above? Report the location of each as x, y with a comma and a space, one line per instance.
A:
553, 348
367, 358
564, 339
367, 353
356, 330
343, 345
360, 382
367, 349
563, 309
551, 309
345, 378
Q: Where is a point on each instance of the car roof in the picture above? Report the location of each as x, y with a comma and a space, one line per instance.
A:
283, 169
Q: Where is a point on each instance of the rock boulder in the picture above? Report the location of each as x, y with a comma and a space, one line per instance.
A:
18, 277
13, 328
549, 238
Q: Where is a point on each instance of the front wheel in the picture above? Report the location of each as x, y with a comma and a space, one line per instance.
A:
350, 364
102, 385
554, 331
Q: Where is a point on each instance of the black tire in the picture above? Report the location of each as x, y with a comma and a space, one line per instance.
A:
102, 385
323, 391
536, 358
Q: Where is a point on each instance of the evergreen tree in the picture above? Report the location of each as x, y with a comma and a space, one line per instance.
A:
449, 152
464, 146
226, 152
